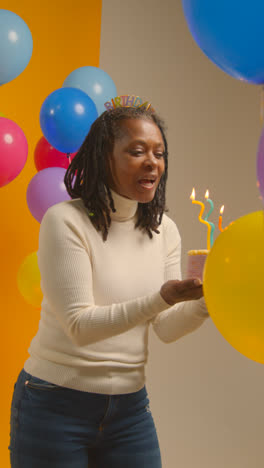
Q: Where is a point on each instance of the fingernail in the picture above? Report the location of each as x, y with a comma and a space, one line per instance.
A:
197, 282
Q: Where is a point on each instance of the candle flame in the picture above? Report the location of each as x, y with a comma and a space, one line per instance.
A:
222, 209
206, 194
192, 197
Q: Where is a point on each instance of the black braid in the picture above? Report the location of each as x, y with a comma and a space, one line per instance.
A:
89, 167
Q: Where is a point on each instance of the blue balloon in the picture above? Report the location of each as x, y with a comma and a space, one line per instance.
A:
94, 82
230, 33
66, 116
16, 46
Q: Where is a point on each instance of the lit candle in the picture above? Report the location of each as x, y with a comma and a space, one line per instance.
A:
220, 218
192, 197
207, 216
211, 204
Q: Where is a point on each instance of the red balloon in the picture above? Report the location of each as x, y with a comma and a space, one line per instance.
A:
45, 155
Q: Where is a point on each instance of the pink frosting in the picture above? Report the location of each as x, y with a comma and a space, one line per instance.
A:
195, 266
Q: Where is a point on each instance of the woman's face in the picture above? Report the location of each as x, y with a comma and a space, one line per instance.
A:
136, 162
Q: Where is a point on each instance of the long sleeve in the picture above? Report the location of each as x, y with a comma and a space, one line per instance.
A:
66, 281
182, 318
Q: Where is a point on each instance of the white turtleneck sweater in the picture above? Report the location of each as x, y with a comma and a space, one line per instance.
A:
99, 298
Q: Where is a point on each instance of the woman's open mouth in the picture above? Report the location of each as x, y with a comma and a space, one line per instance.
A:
147, 183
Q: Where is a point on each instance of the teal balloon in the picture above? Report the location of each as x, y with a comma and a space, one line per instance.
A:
95, 82
16, 46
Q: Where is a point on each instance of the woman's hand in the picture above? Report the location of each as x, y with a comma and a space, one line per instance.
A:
174, 291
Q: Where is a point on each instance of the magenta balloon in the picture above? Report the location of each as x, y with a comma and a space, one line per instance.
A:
46, 189
13, 150
260, 165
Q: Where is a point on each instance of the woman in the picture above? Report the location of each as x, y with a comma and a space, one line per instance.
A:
110, 266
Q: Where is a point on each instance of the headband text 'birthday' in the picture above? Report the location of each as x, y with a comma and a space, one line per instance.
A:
127, 101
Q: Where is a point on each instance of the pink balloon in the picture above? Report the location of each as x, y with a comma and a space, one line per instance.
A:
45, 189
13, 150
45, 155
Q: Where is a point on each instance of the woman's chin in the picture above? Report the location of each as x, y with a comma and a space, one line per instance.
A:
145, 195
145, 198
141, 194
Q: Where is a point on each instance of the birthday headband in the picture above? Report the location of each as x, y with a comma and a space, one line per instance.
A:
127, 101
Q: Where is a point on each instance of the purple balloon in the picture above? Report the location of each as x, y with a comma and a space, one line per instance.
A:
260, 165
46, 189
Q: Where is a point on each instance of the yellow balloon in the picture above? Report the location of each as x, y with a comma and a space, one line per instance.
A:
28, 280
234, 286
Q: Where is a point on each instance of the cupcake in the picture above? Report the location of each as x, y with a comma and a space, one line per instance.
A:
196, 262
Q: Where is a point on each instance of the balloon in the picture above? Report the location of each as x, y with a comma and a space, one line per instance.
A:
66, 117
45, 155
233, 285
260, 165
13, 150
45, 189
28, 280
230, 33
94, 82
16, 46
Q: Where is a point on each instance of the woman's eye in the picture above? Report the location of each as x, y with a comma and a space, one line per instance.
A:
136, 153
140, 152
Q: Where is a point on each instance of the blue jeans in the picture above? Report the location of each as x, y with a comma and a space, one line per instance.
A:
57, 427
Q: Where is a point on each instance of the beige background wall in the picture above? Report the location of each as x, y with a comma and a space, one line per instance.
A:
206, 398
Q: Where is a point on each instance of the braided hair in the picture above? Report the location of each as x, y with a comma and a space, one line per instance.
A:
89, 168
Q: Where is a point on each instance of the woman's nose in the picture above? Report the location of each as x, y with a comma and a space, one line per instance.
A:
151, 160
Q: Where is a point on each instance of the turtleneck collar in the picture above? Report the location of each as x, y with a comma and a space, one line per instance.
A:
125, 208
